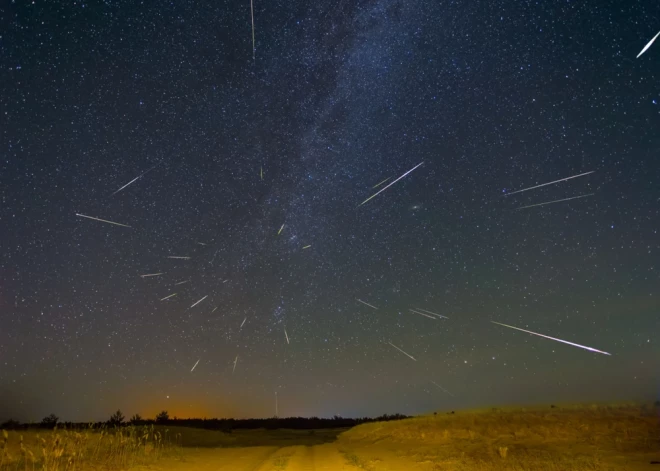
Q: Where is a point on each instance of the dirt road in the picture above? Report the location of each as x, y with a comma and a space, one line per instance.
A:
326, 457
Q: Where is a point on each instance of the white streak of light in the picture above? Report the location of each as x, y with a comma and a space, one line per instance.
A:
366, 304
549, 183
409, 356
425, 315
252, 14
199, 301
136, 178
648, 45
380, 191
431, 312
556, 201
379, 184
443, 389
125, 185
552, 338
102, 220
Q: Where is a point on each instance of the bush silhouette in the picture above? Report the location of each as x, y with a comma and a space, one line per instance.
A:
10, 424
162, 417
50, 421
136, 419
116, 419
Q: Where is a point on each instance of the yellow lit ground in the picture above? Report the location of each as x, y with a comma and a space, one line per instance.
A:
566, 438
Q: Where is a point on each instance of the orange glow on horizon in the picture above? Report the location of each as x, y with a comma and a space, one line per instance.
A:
181, 409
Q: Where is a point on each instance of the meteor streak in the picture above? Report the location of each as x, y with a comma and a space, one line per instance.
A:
168, 297
648, 45
151, 274
409, 356
125, 185
278, 232
366, 304
549, 183
135, 179
194, 366
431, 312
286, 335
253, 48
306, 247
552, 338
443, 389
556, 201
380, 191
235, 361
379, 184
425, 315
242, 323
178, 257
199, 301
102, 220
181, 282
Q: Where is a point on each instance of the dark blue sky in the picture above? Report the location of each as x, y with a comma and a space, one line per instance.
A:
493, 97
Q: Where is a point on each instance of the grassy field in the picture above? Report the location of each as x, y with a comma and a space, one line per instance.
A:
541, 438
102, 448
565, 438
129, 447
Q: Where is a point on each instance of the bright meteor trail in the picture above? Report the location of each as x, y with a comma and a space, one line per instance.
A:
366, 304
552, 338
135, 179
102, 220
199, 301
379, 184
409, 356
556, 201
385, 188
443, 389
648, 45
549, 183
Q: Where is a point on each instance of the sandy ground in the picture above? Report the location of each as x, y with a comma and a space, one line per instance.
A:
335, 457
326, 457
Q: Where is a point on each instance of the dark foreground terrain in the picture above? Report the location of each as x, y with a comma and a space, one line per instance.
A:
566, 438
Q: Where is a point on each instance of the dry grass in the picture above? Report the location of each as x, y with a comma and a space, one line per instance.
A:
545, 439
92, 449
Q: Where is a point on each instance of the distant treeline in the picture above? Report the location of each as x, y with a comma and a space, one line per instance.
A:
225, 425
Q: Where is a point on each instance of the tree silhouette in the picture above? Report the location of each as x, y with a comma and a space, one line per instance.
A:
136, 419
162, 417
117, 418
10, 424
50, 421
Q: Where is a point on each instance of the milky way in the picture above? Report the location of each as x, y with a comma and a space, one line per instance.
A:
157, 116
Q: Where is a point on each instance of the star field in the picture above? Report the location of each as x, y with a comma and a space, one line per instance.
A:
253, 171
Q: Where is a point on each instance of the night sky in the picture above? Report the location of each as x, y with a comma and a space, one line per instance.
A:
492, 97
